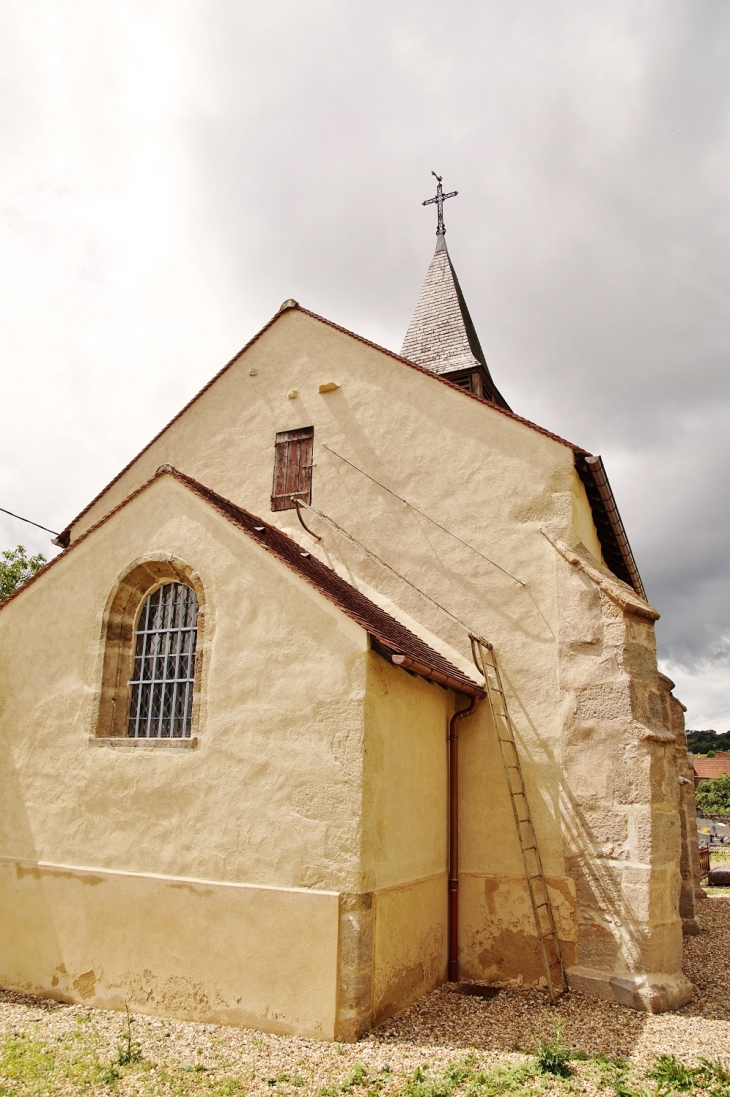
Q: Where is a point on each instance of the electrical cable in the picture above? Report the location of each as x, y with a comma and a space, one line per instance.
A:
36, 524
374, 556
426, 516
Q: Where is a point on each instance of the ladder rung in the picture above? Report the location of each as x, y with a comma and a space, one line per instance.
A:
506, 736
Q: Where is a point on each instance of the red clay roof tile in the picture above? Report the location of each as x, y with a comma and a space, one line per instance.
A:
711, 767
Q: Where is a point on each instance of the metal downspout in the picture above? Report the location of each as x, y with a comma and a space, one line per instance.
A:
454, 835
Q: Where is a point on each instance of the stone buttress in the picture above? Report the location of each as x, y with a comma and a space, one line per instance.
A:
626, 816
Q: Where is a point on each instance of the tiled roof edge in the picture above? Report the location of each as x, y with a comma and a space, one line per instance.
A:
418, 649
443, 380
443, 672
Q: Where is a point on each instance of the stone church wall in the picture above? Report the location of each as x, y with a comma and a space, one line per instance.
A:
620, 792
597, 730
199, 881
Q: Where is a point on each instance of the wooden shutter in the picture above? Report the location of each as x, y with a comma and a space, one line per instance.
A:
292, 468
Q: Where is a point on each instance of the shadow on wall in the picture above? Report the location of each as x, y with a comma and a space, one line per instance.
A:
516, 1019
614, 911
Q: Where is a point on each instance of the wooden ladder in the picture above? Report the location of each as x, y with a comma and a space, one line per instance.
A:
547, 935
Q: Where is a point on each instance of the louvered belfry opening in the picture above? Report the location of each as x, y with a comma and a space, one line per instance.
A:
292, 468
161, 703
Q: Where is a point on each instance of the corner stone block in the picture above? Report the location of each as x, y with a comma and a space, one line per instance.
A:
654, 948
590, 757
640, 634
632, 780
582, 621
607, 701
656, 837
606, 828
354, 1013
598, 887
651, 894
596, 947
640, 661
664, 777
641, 992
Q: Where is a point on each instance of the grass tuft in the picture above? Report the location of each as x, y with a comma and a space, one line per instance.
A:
129, 1050
671, 1075
553, 1055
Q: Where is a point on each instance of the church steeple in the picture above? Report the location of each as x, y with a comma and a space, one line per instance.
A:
441, 335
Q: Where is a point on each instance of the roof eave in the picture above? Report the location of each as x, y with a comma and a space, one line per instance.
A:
607, 520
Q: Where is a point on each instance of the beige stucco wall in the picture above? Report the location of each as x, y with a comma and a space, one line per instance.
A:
308, 823
284, 676
490, 479
410, 943
497, 484
584, 529
195, 949
499, 944
271, 796
405, 833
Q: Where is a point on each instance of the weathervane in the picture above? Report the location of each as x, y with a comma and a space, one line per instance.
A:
439, 202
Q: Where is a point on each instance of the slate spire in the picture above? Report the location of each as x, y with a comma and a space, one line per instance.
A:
441, 336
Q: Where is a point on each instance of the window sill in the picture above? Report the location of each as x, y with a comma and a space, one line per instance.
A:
122, 742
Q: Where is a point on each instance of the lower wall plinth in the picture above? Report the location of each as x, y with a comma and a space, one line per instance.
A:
409, 943
231, 954
653, 993
498, 940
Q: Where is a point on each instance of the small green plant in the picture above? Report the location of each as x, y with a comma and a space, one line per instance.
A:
129, 1051
714, 1070
110, 1075
670, 1074
465, 1077
229, 1087
358, 1076
553, 1055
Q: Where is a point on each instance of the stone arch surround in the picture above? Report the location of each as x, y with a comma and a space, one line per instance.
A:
125, 603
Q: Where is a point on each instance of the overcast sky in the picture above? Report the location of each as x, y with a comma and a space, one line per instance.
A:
172, 170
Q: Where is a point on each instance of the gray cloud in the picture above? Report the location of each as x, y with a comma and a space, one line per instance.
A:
176, 172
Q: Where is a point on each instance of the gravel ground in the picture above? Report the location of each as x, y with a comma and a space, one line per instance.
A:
50, 1048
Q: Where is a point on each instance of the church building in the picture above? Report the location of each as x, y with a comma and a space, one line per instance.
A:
344, 687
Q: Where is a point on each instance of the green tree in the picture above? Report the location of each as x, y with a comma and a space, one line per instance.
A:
713, 796
16, 568
700, 742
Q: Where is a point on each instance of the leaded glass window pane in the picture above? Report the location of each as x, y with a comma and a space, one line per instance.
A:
161, 687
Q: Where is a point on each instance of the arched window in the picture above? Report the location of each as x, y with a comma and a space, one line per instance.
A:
161, 686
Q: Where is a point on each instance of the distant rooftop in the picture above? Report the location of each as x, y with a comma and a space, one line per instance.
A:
706, 768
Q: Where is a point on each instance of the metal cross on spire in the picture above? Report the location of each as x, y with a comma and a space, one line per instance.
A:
439, 202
